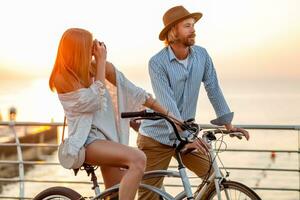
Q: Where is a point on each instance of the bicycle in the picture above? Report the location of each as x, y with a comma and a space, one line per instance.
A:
214, 186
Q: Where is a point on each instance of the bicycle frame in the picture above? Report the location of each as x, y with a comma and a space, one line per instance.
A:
90, 170
216, 176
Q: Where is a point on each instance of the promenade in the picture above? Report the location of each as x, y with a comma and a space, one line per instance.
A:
265, 170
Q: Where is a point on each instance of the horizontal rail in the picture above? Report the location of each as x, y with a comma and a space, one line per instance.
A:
9, 197
28, 162
171, 167
29, 145
261, 169
261, 150
251, 169
165, 185
229, 150
45, 181
254, 188
255, 126
12, 123
246, 126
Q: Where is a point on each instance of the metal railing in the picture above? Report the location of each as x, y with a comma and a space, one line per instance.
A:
20, 162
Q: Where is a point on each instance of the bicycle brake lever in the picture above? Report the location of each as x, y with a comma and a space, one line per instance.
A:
236, 134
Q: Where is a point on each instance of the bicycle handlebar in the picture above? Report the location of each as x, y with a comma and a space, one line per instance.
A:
143, 113
155, 116
186, 125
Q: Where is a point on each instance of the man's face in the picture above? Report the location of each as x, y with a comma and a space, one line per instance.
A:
186, 32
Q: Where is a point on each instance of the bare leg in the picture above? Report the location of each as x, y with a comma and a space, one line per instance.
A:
107, 153
111, 175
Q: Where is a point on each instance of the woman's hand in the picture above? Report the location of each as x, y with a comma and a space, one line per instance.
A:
99, 52
230, 127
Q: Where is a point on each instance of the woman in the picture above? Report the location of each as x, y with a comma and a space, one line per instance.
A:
92, 123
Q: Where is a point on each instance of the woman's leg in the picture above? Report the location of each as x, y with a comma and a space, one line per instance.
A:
111, 175
107, 153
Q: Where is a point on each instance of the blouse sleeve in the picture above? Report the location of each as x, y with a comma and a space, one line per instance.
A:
134, 95
86, 100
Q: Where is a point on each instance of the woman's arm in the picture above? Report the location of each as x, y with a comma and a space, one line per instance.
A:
99, 52
154, 105
110, 72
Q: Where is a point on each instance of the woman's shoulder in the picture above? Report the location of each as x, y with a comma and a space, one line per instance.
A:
66, 84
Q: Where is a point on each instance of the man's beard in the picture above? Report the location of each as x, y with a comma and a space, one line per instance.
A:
188, 41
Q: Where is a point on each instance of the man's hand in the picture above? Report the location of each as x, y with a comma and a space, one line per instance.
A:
230, 127
198, 144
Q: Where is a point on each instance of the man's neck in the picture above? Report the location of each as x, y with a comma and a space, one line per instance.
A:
181, 51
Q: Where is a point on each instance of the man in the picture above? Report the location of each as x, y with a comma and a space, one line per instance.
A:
176, 74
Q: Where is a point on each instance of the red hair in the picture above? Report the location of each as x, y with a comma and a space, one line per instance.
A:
73, 61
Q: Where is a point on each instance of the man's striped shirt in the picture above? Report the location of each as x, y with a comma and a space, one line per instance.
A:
177, 88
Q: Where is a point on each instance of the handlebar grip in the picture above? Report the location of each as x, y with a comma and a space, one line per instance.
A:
143, 113
132, 114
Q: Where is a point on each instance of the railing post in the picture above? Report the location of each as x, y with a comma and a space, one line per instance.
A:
20, 159
299, 158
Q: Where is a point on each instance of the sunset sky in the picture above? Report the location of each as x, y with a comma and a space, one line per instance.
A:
249, 39
254, 45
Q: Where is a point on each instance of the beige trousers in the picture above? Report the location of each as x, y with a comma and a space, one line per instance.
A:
159, 157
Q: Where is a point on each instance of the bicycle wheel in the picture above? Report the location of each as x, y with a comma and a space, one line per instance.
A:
231, 190
56, 193
112, 193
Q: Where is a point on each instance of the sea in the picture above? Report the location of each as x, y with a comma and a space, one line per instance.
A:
264, 102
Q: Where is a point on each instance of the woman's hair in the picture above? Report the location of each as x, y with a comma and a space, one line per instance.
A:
171, 36
73, 60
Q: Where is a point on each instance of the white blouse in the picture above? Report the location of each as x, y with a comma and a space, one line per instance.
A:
93, 105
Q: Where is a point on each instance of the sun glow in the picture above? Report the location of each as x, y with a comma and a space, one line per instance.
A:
30, 32
248, 40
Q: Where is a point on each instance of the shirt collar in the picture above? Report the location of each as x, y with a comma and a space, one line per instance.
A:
172, 55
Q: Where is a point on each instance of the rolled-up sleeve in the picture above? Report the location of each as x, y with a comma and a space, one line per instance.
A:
215, 95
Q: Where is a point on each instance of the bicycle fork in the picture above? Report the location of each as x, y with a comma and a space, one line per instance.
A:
184, 177
218, 176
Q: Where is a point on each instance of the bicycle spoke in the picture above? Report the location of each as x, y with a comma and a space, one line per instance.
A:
232, 194
239, 195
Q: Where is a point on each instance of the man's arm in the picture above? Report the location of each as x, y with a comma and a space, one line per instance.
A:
215, 95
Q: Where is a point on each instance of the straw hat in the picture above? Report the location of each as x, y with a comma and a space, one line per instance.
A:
175, 15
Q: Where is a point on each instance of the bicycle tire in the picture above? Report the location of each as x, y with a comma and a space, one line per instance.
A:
234, 189
58, 193
112, 193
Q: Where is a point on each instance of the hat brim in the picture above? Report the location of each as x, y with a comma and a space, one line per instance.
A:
162, 35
